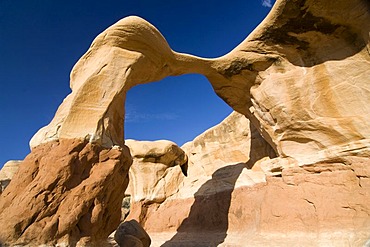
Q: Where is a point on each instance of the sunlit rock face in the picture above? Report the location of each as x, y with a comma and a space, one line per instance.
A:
228, 196
129, 53
67, 192
311, 97
156, 171
7, 173
301, 78
215, 160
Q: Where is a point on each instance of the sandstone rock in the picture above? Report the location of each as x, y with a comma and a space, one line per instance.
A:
156, 170
278, 201
216, 159
321, 204
7, 173
65, 192
232, 141
128, 53
131, 234
305, 70
301, 78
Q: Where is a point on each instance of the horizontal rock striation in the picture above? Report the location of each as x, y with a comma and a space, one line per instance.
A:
301, 78
232, 204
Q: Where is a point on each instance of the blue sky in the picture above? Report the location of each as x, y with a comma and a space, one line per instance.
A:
41, 40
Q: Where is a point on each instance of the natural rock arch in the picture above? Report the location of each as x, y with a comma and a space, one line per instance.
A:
129, 53
281, 77
278, 69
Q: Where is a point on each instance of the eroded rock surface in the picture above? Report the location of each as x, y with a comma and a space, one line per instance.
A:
7, 173
216, 159
301, 78
156, 170
65, 192
237, 205
232, 141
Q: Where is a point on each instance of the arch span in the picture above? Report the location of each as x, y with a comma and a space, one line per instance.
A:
129, 53
301, 77
298, 92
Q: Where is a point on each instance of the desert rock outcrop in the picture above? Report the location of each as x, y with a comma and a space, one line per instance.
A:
65, 192
228, 202
216, 159
301, 78
156, 171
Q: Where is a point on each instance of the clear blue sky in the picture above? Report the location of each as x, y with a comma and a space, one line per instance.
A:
41, 40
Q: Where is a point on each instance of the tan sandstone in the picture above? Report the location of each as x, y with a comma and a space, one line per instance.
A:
156, 171
301, 77
323, 204
7, 173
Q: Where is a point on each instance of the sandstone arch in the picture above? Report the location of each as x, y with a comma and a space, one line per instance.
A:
280, 68
305, 87
129, 53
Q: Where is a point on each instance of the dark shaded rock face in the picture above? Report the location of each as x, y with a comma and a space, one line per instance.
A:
131, 234
67, 192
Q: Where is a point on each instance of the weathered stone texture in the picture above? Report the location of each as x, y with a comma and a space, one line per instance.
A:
302, 79
67, 192
156, 170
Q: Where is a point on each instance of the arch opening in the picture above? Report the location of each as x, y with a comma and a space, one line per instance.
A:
177, 108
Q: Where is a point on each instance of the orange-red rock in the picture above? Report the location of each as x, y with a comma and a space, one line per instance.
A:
302, 78
65, 192
324, 204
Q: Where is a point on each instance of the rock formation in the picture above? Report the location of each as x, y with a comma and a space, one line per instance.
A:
67, 192
227, 201
155, 166
131, 234
301, 78
7, 173
290, 77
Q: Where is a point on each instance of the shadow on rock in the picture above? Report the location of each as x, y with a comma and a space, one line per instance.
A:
207, 223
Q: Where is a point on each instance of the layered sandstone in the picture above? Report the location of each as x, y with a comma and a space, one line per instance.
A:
67, 192
156, 171
230, 202
301, 78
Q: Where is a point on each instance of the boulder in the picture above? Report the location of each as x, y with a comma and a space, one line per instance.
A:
67, 192
131, 234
